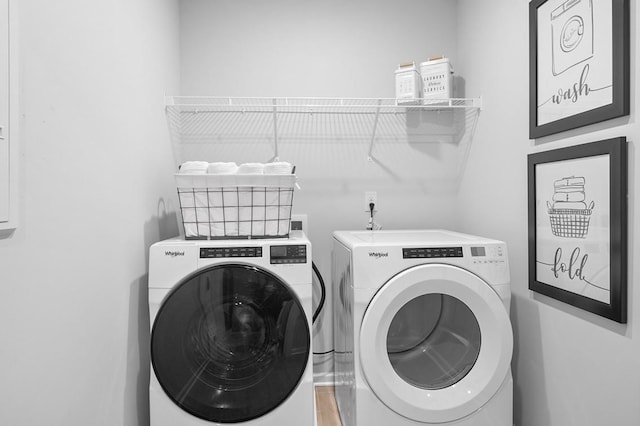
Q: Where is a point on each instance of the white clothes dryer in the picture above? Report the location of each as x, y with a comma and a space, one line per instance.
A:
231, 332
422, 330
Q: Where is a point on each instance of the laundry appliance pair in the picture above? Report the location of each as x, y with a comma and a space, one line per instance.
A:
422, 330
231, 332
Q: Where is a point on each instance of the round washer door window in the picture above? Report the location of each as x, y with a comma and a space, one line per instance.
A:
435, 343
230, 343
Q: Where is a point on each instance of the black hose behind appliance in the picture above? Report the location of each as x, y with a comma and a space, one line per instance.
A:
322, 293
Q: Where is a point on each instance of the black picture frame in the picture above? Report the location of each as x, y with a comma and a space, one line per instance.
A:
578, 255
572, 68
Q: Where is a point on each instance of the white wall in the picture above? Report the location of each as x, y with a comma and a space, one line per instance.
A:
308, 48
334, 48
571, 368
94, 172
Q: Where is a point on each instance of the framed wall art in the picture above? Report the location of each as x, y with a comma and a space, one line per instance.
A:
577, 199
579, 63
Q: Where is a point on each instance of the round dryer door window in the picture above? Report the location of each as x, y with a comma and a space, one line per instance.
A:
230, 343
435, 343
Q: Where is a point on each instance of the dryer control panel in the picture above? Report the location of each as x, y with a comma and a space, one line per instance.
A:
487, 254
431, 252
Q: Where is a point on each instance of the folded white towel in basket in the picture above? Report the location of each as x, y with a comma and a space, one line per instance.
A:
196, 230
190, 230
277, 227
277, 168
222, 168
231, 229
256, 228
251, 169
195, 215
187, 199
202, 198
224, 229
195, 167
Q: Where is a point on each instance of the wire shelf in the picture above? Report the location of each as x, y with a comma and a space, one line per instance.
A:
383, 131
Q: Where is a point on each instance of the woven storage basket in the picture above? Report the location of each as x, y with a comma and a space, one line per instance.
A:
569, 223
235, 206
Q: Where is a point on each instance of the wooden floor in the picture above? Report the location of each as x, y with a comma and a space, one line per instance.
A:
326, 408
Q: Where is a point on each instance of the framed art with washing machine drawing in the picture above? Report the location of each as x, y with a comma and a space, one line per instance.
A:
577, 200
578, 63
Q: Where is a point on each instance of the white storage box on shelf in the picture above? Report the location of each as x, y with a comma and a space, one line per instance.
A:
408, 84
437, 80
235, 205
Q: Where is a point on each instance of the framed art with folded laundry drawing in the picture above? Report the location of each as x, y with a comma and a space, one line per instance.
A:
577, 202
579, 63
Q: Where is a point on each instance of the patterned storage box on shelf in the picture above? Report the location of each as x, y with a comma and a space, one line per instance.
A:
235, 205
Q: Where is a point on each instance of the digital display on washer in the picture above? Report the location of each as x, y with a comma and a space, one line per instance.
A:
431, 252
288, 254
478, 251
221, 252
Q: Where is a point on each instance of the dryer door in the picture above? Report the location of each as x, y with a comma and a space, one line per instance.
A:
435, 343
230, 343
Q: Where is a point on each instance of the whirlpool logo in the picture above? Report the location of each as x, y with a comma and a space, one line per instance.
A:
378, 254
173, 253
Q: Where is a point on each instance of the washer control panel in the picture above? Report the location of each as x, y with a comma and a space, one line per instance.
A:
288, 254
220, 252
431, 252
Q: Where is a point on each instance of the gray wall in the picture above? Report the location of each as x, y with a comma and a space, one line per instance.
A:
571, 368
95, 192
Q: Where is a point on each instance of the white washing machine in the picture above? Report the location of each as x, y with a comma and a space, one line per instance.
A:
421, 328
231, 332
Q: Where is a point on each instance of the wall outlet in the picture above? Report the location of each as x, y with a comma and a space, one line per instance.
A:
299, 222
370, 197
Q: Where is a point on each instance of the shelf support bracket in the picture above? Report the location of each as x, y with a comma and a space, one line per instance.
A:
275, 130
373, 133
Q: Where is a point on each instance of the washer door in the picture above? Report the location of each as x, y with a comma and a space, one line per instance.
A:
435, 343
230, 343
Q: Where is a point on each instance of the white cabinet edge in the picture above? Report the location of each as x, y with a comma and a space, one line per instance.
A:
14, 124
